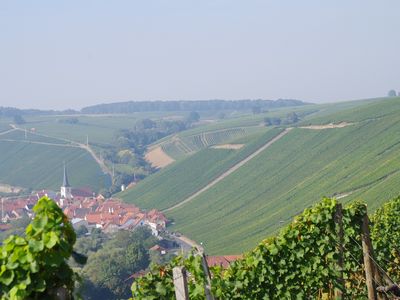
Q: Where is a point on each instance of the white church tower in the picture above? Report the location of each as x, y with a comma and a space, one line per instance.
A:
66, 190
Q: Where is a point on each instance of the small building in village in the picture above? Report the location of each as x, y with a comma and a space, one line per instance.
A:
83, 208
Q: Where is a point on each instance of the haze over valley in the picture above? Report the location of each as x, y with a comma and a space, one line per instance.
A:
211, 150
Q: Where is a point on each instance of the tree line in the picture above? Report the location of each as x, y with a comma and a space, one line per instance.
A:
130, 145
185, 105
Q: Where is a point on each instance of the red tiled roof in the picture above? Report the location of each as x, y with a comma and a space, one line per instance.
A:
223, 261
94, 218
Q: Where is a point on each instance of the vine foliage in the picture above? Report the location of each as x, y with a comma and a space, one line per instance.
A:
35, 266
385, 236
301, 262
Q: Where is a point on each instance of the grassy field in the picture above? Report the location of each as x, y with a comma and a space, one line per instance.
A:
97, 131
244, 127
19, 135
361, 161
182, 179
99, 128
40, 166
4, 124
177, 148
355, 111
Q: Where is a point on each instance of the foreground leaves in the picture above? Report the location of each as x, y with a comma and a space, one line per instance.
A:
301, 262
35, 265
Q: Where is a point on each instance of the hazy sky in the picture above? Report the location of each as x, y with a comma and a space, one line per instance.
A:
70, 54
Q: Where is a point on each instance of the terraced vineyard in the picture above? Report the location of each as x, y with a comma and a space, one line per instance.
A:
356, 162
178, 147
359, 161
182, 179
356, 111
19, 135
100, 129
40, 166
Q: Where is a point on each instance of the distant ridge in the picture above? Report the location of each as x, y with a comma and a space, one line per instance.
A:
186, 105
12, 111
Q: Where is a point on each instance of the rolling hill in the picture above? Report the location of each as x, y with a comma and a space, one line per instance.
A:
358, 161
39, 166
32, 160
182, 179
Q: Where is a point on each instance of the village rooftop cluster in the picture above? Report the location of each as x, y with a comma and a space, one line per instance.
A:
85, 209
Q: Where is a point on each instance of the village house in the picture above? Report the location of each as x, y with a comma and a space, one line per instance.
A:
84, 209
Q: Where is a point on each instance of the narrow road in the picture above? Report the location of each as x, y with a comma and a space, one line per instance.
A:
8, 131
41, 143
231, 170
185, 243
97, 159
72, 143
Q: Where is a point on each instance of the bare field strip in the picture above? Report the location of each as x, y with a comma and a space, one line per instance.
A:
228, 146
231, 170
327, 126
158, 158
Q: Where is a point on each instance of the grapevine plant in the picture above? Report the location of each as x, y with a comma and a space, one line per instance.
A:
35, 266
303, 261
385, 236
158, 283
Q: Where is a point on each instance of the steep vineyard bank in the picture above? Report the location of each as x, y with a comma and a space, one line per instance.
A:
182, 179
359, 161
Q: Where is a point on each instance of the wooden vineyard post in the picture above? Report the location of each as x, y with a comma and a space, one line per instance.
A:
368, 263
207, 286
180, 283
339, 293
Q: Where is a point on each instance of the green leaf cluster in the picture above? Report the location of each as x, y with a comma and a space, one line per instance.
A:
159, 284
301, 262
385, 235
35, 266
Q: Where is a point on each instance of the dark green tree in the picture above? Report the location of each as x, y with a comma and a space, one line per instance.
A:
267, 121
194, 116
292, 118
109, 269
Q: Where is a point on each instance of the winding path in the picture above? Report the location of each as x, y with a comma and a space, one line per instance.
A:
7, 131
71, 143
231, 170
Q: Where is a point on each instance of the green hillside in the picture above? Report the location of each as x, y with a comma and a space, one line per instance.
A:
355, 111
179, 147
45, 141
40, 166
360, 161
19, 135
243, 127
100, 128
4, 127
182, 179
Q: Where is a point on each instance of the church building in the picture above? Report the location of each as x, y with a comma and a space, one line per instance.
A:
66, 190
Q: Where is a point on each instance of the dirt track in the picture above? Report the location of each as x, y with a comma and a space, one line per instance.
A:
158, 158
7, 131
327, 126
228, 146
231, 170
71, 143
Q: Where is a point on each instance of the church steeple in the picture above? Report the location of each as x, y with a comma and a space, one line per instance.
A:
66, 191
65, 180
